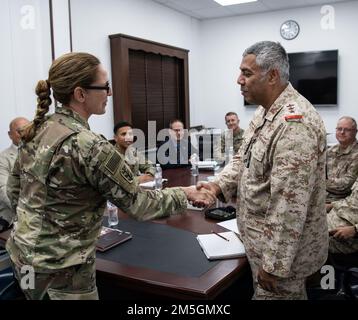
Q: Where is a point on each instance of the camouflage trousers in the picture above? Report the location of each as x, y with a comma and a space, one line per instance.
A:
288, 288
336, 245
72, 283
293, 288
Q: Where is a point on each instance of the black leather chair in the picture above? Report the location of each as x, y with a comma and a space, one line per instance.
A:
346, 279
346, 268
6, 275
9, 287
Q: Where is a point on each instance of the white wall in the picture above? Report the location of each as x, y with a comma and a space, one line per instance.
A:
224, 40
25, 56
214, 58
94, 20
61, 27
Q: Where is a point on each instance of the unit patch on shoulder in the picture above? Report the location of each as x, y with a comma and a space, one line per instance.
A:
115, 168
127, 173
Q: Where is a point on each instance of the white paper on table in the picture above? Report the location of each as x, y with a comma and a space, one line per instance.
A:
230, 225
207, 164
223, 245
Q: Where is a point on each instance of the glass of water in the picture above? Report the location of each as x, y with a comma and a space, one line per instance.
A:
112, 212
194, 159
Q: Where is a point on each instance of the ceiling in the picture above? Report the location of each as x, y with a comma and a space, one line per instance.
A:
209, 9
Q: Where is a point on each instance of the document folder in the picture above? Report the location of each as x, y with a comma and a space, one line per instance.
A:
109, 238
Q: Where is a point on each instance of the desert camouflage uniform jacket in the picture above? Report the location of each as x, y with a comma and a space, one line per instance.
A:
279, 179
342, 171
59, 187
344, 213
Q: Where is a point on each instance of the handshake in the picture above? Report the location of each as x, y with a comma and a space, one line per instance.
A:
203, 194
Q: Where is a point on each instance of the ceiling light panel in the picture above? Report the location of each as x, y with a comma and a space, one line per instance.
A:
231, 2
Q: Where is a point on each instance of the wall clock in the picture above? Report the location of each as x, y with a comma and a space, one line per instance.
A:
289, 29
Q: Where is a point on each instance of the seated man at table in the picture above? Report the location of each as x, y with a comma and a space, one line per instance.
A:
123, 137
176, 150
342, 161
232, 137
343, 224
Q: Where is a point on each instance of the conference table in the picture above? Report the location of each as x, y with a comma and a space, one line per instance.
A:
151, 282
157, 276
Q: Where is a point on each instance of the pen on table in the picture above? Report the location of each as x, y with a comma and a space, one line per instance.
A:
219, 235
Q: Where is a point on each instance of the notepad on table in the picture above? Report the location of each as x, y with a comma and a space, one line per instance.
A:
109, 238
225, 247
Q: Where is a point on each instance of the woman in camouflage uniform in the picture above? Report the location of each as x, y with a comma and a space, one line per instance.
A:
62, 178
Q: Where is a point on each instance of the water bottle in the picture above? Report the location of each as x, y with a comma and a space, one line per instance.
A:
216, 170
230, 155
194, 159
158, 177
112, 212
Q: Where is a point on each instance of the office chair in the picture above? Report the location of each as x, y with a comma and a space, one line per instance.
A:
6, 275
346, 268
9, 287
346, 279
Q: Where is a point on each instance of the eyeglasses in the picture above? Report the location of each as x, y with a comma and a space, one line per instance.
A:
339, 129
105, 87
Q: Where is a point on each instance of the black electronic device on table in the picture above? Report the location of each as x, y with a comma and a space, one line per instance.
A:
222, 213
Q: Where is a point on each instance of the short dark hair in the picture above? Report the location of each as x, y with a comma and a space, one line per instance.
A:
175, 120
231, 113
121, 124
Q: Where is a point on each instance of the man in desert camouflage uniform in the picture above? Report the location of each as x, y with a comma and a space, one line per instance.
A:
233, 137
342, 161
67, 173
343, 224
278, 177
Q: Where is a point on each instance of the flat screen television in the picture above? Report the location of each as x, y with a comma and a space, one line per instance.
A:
315, 75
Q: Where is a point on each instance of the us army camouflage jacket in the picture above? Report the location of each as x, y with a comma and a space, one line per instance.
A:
137, 162
342, 171
279, 179
235, 140
59, 187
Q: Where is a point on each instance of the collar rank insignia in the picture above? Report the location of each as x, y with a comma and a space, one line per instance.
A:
295, 114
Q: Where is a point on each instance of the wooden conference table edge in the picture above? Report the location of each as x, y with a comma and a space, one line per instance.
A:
149, 281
